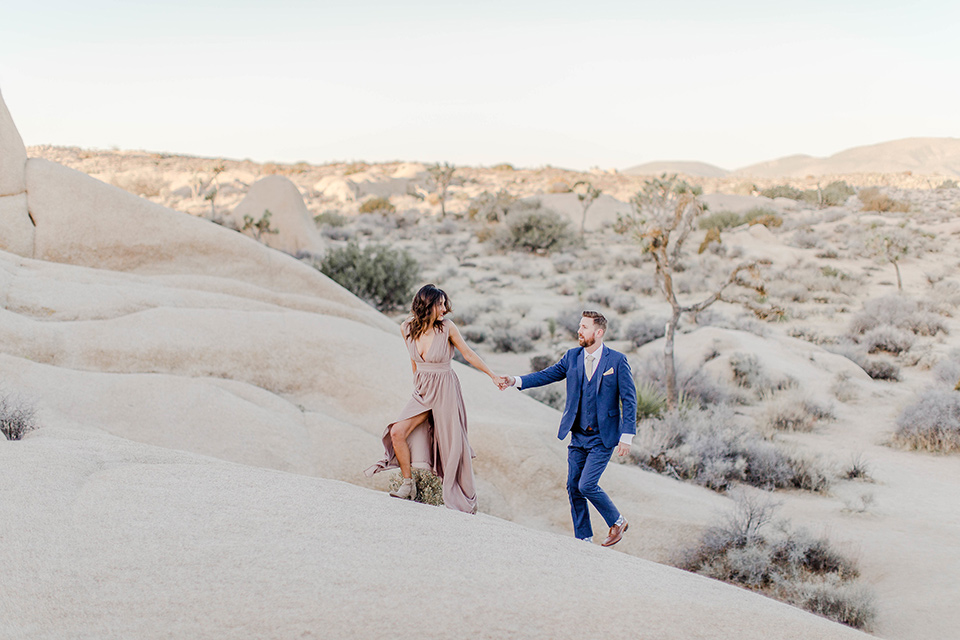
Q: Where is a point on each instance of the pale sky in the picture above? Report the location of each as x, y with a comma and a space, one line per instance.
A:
607, 83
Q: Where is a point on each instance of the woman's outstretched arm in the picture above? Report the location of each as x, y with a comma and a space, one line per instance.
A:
469, 354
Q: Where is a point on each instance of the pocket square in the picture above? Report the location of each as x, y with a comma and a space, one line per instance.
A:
608, 371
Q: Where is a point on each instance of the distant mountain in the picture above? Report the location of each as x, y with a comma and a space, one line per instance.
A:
922, 156
697, 169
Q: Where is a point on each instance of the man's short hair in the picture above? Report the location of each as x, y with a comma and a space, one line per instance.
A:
598, 319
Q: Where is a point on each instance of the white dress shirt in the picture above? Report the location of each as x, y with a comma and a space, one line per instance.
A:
589, 371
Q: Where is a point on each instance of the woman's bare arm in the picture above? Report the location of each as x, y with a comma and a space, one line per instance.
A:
469, 354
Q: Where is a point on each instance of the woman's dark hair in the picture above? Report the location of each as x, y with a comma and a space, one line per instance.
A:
422, 308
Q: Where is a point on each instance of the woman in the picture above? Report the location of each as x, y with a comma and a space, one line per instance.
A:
432, 429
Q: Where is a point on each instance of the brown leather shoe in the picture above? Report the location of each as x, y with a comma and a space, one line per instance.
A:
616, 532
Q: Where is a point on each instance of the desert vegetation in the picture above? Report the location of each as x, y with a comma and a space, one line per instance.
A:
750, 548
17, 416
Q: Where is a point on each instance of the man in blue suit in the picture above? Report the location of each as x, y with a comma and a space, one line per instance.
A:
600, 415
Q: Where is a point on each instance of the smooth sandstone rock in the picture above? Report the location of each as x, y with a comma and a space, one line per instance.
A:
16, 228
13, 155
129, 524
85, 222
296, 230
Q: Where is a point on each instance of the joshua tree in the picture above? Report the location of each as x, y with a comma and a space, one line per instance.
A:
889, 244
663, 216
587, 193
442, 175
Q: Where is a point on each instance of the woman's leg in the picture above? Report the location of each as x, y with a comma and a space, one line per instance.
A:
398, 435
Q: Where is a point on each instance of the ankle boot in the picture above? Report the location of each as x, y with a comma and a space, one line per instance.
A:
406, 491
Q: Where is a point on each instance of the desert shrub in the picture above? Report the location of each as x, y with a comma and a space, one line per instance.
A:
898, 311
876, 368
603, 297
786, 563
625, 303
376, 205
651, 401
564, 262
720, 220
639, 283
794, 412
377, 274
17, 417
873, 200
713, 449
947, 370
490, 207
843, 388
429, 486
643, 330
541, 362
693, 383
932, 423
331, 219
507, 340
782, 191
857, 469
559, 187
536, 230
474, 335
832, 195
948, 184
888, 339
748, 373
806, 239
569, 319
764, 216
503, 166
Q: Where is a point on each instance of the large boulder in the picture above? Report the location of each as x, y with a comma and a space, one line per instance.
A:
16, 227
296, 230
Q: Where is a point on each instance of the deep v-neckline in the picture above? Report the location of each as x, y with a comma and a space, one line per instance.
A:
416, 347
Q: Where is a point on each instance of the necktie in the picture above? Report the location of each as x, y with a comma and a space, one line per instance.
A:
589, 361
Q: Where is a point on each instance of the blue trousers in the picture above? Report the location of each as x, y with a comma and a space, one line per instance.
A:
587, 459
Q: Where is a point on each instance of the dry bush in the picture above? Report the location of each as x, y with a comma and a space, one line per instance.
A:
782, 191
429, 486
947, 370
786, 564
887, 339
692, 383
713, 449
17, 417
509, 340
794, 412
876, 368
915, 316
874, 200
748, 373
843, 388
932, 423
536, 230
377, 205
643, 330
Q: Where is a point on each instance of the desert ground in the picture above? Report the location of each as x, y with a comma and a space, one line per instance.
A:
197, 466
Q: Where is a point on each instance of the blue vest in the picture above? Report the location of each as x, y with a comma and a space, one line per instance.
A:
587, 414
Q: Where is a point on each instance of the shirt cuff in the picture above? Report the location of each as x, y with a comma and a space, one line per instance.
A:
626, 438
517, 383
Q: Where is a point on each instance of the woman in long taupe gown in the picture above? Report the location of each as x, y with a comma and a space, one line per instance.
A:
431, 431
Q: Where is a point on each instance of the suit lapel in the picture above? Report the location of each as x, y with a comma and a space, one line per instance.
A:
581, 376
598, 372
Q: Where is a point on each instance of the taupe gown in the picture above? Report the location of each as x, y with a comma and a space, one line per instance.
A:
439, 444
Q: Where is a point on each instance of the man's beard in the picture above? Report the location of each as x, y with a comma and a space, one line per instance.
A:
584, 343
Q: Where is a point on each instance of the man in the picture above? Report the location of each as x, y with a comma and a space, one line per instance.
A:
600, 414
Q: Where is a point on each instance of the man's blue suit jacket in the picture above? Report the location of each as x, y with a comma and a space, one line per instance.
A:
616, 393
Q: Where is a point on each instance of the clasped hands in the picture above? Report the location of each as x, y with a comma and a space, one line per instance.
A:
503, 382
